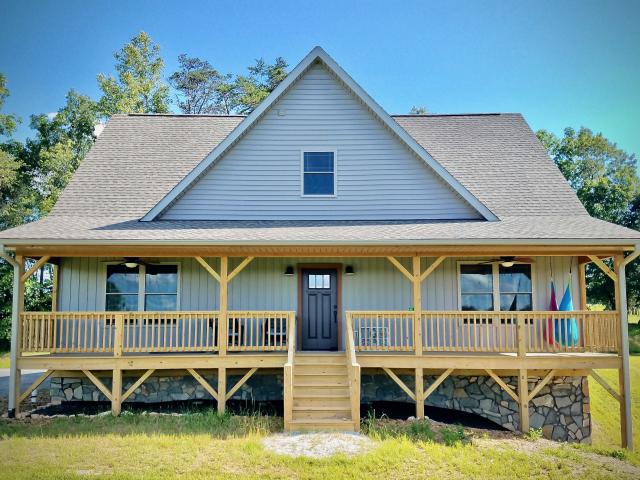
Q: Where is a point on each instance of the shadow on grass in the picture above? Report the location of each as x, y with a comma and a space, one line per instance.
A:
205, 422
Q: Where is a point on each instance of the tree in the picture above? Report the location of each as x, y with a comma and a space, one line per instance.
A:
139, 87
261, 81
7, 122
418, 110
606, 181
203, 89
200, 87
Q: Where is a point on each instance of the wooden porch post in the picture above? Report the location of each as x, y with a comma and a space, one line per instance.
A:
54, 288
116, 392
223, 330
523, 399
626, 432
16, 309
417, 307
419, 392
222, 389
582, 282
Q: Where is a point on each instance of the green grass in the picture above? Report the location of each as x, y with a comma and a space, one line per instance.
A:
4, 359
605, 412
205, 445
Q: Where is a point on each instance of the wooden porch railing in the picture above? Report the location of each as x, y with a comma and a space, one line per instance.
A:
259, 331
492, 332
152, 332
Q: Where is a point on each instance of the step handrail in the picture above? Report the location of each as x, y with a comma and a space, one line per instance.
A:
288, 372
353, 368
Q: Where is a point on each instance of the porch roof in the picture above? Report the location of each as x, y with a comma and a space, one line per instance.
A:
579, 229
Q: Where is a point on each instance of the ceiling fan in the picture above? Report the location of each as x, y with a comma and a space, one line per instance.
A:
131, 262
508, 261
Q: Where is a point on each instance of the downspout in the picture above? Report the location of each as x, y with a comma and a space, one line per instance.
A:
13, 366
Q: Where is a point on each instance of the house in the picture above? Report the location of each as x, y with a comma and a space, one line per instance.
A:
322, 252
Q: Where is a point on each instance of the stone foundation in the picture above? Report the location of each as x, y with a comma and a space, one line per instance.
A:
561, 409
166, 389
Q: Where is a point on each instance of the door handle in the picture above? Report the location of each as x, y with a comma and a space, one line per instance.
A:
335, 314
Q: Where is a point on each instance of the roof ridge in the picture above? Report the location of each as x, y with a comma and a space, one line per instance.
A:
488, 114
180, 115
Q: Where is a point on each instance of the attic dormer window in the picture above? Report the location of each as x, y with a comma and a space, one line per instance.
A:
319, 173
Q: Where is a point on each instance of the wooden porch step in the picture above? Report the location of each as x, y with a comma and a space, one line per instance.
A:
320, 359
320, 408
320, 369
320, 389
320, 382
320, 425
322, 400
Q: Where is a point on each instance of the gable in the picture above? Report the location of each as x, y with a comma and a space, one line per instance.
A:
378, 176
317, 55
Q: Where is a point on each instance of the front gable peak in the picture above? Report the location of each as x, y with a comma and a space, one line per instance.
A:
315, 57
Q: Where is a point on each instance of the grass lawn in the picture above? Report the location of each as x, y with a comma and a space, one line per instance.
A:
209, 446
605, 412
4, 359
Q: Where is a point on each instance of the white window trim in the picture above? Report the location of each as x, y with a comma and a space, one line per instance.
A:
335, 170
141, 283
495, 270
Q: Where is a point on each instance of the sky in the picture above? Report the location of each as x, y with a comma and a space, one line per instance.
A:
559, 63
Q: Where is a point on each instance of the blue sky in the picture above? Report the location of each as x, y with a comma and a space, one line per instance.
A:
560, 63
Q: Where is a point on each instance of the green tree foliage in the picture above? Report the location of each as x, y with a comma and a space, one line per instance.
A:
261, 81
200, 88
606, 181
7, 122
138, 87
418, 110
203, 89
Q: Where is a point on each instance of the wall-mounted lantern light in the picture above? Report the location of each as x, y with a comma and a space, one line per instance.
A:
348, 270
289, 271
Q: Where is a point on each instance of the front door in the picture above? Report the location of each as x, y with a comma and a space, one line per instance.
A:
319, 309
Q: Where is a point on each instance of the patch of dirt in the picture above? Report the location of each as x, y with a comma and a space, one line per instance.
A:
318, 445
27, 405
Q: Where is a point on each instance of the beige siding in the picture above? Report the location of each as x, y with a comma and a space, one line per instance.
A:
262, 285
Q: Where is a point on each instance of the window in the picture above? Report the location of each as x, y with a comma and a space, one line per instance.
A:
319, 281
494, 287
122, 288
515, 288
161, 288
145, 287
318, 173
476, 287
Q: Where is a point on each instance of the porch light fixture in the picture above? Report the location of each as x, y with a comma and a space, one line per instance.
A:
289, 272
507, 261
348, 270
131, 264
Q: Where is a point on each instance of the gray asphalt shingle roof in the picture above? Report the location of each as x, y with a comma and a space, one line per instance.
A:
138, 159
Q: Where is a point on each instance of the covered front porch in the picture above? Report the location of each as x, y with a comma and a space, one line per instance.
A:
417, 339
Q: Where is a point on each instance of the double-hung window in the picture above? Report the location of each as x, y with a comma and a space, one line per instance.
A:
491, 286
144, 287
319, 173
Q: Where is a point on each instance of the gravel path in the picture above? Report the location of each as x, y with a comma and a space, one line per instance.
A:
318, 445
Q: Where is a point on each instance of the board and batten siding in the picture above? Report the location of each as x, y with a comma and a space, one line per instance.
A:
378, 177
376, 285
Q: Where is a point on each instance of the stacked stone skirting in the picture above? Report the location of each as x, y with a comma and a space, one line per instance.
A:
166, 389
561, 409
